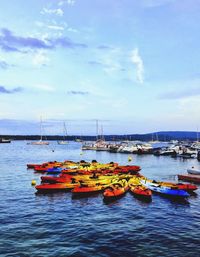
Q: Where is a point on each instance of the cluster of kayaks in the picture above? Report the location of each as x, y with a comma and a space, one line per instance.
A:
112, 180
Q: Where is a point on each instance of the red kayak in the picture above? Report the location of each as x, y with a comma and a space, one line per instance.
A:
141, 192
60, 179
127, 169
56, 187
35, 166
186, 187
41, 169
85, 191
31, 166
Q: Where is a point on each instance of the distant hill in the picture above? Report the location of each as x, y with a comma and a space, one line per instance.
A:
174, 135
161, 136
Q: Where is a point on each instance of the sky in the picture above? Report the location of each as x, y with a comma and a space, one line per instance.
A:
133, 65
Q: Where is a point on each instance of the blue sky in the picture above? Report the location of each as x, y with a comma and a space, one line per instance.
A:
134, 65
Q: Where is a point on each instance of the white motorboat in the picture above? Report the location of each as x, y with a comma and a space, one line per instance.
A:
193, 171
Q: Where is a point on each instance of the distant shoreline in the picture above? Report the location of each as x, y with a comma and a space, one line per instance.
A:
155, 136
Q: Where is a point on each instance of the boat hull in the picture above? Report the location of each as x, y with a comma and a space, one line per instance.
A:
193, 171
189, 177
163, 190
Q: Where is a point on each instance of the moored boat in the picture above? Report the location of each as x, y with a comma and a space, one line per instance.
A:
52, 179
56, 187
115, 191
187, 187
141, 192
189, 177
164, 190
193, 171
86, 190
4, 141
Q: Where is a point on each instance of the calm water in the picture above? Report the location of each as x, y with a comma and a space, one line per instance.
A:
56, 225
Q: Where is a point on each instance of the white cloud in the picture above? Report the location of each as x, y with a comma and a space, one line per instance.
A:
55, 27
68, 2
45, 87
40, 59
137, 60
58, 11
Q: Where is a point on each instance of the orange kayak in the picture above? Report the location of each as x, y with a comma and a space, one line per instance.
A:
85, 191
114, 192
141, 192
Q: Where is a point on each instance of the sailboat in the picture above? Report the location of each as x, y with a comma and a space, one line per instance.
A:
3, 140
40, 142
63, 142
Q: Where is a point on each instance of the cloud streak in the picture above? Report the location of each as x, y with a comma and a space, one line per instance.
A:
4, 90
104, 47
12, 43
173, 95
138, 62
68, 2
95, 63
58, 11
72, 92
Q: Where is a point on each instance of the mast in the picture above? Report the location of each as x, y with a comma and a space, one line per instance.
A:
97, 129
197, 134
102, 136
157, 136
40, 128
65, 131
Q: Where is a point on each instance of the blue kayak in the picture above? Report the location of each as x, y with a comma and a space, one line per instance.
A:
54, 170
156, 187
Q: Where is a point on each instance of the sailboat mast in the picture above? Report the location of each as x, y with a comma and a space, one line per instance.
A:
102, 136
40, 128
65, 130
157, 136
97, 129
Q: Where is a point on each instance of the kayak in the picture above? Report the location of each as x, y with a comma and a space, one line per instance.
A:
60, 179
187, 187
141, 192
54, 170
165, 190
56, 187
85, 191
31, 166
40, 169
127, 169
114, 192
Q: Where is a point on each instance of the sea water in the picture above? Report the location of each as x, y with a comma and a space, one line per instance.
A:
57, 225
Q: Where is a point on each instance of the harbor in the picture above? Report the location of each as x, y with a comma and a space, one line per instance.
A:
48, 216
99, 128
